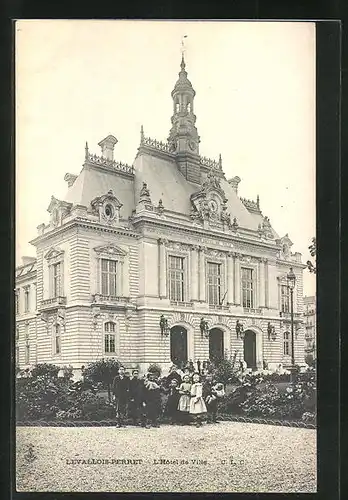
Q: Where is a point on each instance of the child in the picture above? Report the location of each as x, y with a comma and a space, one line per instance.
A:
216, 393
197, 405
171, 408
184, 401
188, 373
152, 400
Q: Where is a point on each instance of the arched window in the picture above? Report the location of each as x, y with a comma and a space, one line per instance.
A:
286, 344
109, 337
189, 107
177, 107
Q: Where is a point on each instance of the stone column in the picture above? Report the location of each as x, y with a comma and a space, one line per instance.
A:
262, 287
194, 273
125, 277
202, 284
237, 279
266, 283
162, 269
230, 277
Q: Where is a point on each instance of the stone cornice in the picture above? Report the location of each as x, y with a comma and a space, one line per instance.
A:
290, 263
85, 223
185, 229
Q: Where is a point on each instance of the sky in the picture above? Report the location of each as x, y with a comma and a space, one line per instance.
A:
79, 81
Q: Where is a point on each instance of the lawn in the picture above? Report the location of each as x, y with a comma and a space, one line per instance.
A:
229, 457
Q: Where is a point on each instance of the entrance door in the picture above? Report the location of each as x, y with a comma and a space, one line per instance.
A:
216, 344
250, 349
178, 345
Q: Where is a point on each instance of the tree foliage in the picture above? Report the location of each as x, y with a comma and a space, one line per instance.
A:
45, 370
313, 251
102, 372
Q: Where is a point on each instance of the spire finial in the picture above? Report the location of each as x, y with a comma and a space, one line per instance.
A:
141, 135
258, 201
86, 151
183, 49
220, 161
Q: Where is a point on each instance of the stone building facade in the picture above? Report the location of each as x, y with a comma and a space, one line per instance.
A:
160, 261
310, 324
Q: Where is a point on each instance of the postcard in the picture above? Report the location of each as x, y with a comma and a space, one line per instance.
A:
165, 293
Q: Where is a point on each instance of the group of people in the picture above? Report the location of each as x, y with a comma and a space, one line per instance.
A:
191, 396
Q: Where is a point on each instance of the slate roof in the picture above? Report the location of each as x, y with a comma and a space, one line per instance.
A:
164, 181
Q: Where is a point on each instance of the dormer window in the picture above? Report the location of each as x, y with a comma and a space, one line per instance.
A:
109, 211
107, 207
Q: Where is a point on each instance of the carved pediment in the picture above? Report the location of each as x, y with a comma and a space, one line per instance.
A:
54, 254
109, 197
110, 249
58, 204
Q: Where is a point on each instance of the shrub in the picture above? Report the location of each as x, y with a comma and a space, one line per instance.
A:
45, 370
262, 402
88, 406
256, 397
40, 397
232, 403
67, 372
103, 372
225, 371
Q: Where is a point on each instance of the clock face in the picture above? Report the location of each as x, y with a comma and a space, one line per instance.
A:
213, 206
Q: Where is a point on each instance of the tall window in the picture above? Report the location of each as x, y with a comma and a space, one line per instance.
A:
286, 349
176, 278
284, 293
17, 354
57, 339
57, 279
109, 337
27, 353
17, 301
26, 299
214, 283
247, 287
108, 277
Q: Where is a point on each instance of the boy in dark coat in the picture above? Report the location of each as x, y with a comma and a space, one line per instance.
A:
171, 408
152, 400
120, 389
136, 392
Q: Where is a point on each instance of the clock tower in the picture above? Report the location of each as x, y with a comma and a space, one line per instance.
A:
183, 136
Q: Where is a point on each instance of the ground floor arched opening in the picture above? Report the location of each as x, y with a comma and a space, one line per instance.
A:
250, 349
216, 344
178, 345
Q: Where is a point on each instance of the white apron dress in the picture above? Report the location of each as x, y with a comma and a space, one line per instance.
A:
184, 401
197, 404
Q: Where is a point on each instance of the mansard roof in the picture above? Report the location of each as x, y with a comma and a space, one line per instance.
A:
25, 270
164, 181
93, 182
